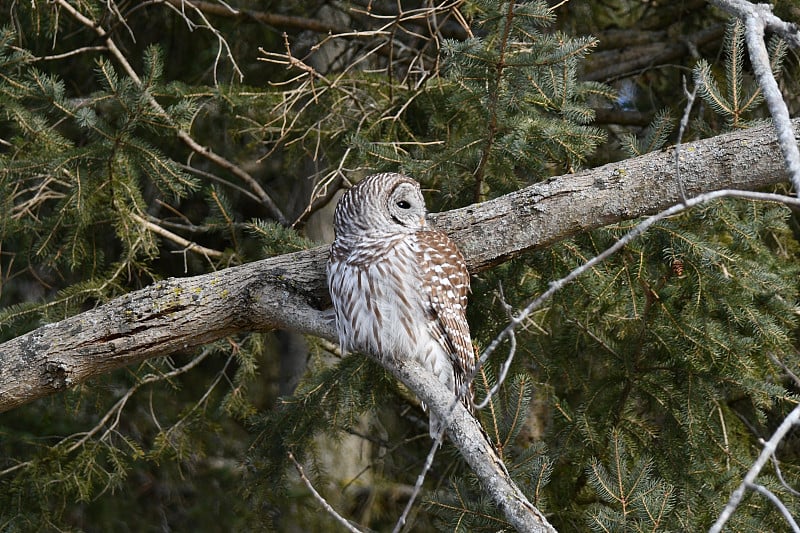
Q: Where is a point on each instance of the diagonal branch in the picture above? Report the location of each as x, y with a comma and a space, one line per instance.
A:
749, 479
467, 435
289, 291
757, 18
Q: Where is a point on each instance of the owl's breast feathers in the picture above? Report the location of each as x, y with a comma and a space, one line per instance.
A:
376, 294
407, 297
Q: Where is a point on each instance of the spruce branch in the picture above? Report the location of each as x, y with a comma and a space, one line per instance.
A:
758, 18
494, 96
269, 204
115, 411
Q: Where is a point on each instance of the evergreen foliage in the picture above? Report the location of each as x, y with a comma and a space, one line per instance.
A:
655, 137
631, 499
740, 96
518, 81
636, 398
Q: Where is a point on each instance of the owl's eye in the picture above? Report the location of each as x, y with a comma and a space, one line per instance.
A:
402, 204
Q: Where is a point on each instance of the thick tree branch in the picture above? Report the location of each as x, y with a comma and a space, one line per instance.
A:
289, 291
491, 232
466, 434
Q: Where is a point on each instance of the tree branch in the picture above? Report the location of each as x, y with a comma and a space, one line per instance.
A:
757, 18
290, 292
749, 480
466, 434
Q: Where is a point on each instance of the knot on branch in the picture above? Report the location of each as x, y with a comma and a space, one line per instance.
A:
57, 375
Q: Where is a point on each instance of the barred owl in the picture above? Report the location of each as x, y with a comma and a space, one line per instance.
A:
399, 288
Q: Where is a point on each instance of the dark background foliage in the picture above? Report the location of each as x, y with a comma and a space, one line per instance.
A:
638, 395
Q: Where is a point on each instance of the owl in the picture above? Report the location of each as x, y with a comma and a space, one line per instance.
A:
399, 287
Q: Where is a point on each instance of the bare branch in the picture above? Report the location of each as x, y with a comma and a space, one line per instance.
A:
764, 491
743, 9
779, 474
322, 501
504, 368
758, 17
467, 435
401, 521
188, 245
749, 479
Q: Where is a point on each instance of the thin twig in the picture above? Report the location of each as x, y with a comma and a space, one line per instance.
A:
218, 179
401, 520
81, 50
339, 518
761, 489
690, 96
769, 449
786, 369
509, 358
188, 245
778, 473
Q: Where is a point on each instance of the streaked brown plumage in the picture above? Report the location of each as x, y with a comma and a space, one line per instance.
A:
399, 288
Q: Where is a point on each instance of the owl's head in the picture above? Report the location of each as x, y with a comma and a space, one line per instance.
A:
381, 201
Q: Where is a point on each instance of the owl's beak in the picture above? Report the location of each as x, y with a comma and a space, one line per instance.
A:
422, 221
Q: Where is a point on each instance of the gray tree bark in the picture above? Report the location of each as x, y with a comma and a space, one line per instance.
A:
290, 292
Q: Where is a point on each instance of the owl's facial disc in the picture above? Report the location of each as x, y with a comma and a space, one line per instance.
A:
406, 206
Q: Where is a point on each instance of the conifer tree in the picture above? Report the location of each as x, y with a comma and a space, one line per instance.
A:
139, 143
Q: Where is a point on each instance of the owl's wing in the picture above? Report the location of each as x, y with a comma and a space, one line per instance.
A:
446, 283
